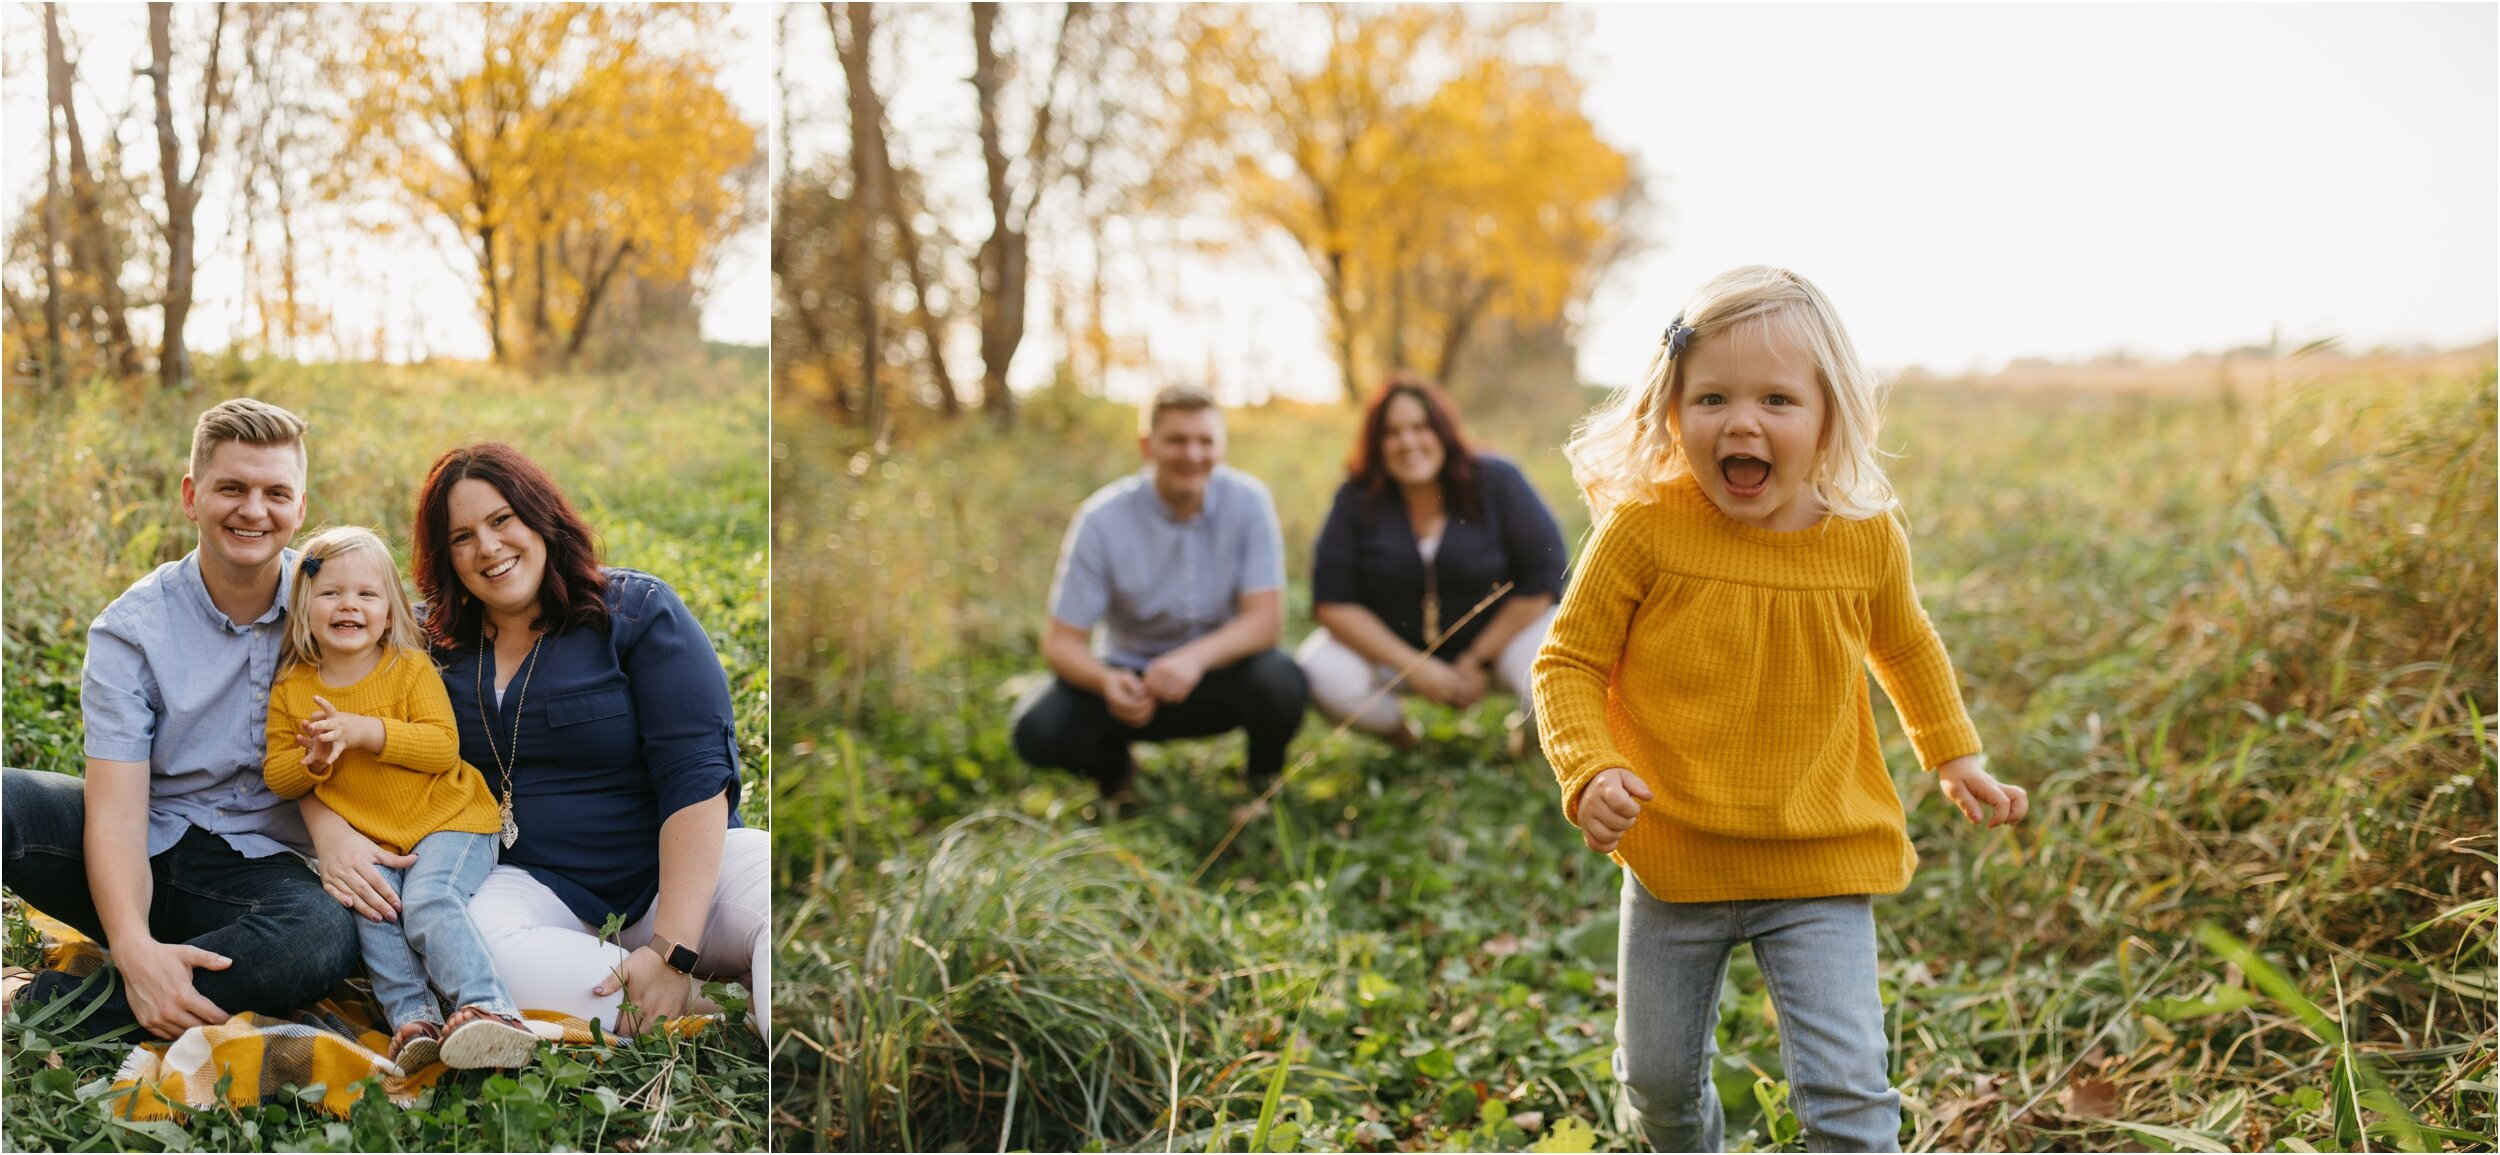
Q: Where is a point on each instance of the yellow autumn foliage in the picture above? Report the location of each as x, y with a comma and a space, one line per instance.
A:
570, 145
1433, 163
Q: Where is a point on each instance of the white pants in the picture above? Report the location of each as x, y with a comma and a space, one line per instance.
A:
1340, 678
549, 958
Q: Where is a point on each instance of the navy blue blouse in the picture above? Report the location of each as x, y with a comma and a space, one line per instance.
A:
1367, 555
617, 731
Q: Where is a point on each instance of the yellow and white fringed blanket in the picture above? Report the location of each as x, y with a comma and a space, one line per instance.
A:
335, 1044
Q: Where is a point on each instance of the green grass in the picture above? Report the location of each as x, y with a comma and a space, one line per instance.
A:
2241, 648
662, 461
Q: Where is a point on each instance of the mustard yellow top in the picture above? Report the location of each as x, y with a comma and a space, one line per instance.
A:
416, 786
1723, 663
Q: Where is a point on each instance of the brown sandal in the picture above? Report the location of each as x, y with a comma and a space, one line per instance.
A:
477, 1037
416, 1046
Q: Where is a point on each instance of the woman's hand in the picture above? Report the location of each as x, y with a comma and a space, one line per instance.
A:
1609, 805
346, 858
1440, 682
656, 992
1978, 795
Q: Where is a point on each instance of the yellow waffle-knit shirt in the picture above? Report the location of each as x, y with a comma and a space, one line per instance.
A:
1724, 664
417, 785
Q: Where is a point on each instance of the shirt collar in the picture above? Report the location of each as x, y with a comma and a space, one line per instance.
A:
195, 582
1163, 509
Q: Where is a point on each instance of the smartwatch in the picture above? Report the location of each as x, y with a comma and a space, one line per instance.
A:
678, 956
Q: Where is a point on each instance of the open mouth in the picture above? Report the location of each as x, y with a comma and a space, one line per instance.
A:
1745, 475
248, 534
501, 568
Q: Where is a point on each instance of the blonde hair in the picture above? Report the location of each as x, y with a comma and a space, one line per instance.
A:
1628, 449
300, 648
249, 421
1175, 399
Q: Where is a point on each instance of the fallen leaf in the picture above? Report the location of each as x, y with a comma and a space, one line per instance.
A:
2091, 1097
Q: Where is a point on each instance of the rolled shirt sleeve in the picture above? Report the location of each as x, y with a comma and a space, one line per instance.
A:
681, 698
1530, 535
118, 695
1080, 592
1263, 554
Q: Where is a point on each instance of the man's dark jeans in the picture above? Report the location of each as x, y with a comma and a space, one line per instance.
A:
290, 942
1065, 727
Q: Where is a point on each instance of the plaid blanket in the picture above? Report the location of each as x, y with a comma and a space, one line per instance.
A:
253, 1059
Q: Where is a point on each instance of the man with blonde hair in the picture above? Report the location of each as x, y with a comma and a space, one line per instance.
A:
171, 850
1183, 565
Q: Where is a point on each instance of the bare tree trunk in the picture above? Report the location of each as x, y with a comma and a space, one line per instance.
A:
51, 232
852, 30
182, 196
91, 246
931, 331
1001, 261
591, 294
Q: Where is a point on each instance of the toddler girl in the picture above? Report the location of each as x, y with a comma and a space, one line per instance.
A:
1702, 699
359, 718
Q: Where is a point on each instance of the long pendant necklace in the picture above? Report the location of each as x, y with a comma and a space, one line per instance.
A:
511, 829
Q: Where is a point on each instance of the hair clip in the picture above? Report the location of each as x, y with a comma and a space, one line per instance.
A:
1678, 337
312, 566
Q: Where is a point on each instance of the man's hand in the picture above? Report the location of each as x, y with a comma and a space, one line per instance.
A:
346, 858
1125, 693
157, 976
1173, 677
1609, 805
1979, 796
657, 992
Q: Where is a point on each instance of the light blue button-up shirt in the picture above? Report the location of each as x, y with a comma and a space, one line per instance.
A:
172, 683
1155, 581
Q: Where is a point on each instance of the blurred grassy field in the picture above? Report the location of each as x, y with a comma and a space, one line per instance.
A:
2239, 642
666, 464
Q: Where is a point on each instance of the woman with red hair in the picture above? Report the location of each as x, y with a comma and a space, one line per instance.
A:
598, 711
1423, 529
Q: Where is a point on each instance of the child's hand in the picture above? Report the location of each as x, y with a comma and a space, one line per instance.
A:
317, 754
1609, 804
1980, 797
341, 731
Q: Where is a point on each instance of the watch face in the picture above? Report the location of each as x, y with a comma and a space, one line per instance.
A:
681, 958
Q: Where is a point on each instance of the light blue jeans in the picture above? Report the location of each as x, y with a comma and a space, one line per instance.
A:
1817, 955
434, 938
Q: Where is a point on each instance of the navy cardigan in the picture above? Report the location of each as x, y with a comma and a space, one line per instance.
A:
619, 730
1367, 555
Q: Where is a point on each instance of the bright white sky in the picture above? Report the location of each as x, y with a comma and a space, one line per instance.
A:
416, 288
1970, 183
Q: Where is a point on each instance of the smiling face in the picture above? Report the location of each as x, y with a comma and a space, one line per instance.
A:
248, 501
1409, 449
349, 604
499, 558
1750, 417
1184, 446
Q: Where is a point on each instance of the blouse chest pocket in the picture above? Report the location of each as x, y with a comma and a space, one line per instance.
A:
588, 706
